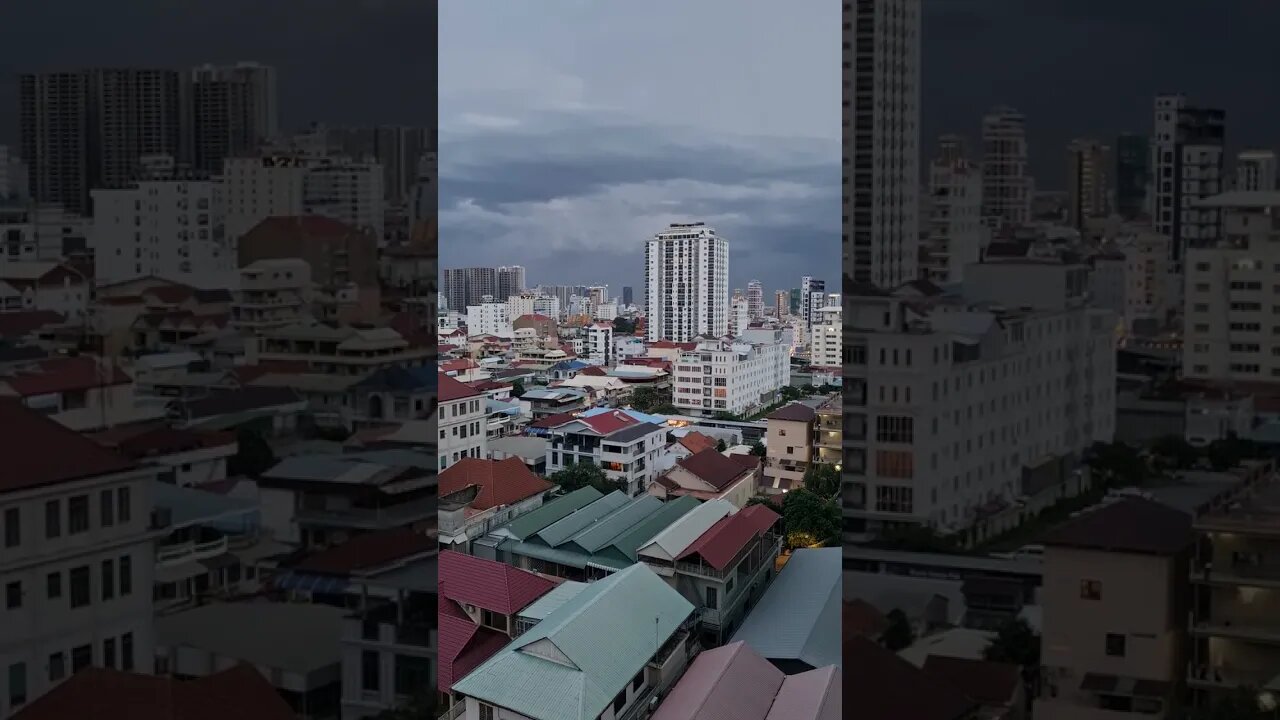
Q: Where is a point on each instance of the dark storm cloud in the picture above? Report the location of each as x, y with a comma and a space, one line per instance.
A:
1090, 68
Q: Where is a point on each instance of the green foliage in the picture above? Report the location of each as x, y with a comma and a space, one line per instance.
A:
623, 326
254, 455
1243, 703
517, 388
1226, 454
808, 389
726, 416
653, 400
1174, 452
822, 480
583, 474
1015, 643
810, 519
1118, 464
899, 634
758, 449
916, 538
720, 446
790, 393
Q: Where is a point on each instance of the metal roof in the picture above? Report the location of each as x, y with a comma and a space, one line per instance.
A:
798, 618
561, 530
680, 534
601, 533
605, 635
629, 542
542, 607
534, 520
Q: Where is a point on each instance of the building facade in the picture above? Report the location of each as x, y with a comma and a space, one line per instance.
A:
1186, 162
957, 236
1006, 185
686, 284
734, 377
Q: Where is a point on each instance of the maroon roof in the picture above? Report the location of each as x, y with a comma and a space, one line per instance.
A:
488, 584
1132, 525
21, 324
66, 374
593, 371
552, 421
695, 441
985, 682
722, 542
795, 412
608, 423
167, 441
890, 688
451, 389
499, 482
36, 451
240, 692
716, 469
861, 619
308, 224
369, 550
463, 644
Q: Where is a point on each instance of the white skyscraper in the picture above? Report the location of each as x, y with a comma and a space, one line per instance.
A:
1006, 186
882, 141
957, 236
755, 299
1186, 166
687, 283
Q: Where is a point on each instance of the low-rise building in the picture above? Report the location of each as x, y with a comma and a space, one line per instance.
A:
789, 446
624, 448
734, 377
460, 417
796, 624
711, 475
478, 495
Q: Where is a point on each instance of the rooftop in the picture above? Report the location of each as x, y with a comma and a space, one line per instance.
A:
498, 482
890, 688
232, 630
38, 451
734, 683
798, 618
1131, 525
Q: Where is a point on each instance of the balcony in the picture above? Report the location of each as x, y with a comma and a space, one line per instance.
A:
766, 550
190, 551
1260, 576
1269, 634
455, 712
1227, 677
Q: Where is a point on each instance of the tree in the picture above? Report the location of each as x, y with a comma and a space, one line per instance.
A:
583, 474
254, 455
808, 389
517, 388
916, 538
758, 449
1118, 464
623, 326
822, 480
720, 446
1227, 453
1175, 451
726, 416
790, 392
652, 400
1017, 644
811, 521
899, 634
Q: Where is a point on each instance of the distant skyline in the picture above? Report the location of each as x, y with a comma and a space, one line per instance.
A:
578, 130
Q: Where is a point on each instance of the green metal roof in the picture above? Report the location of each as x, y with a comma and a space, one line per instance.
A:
563, 529
616, 523
568, 558
602, 637
626, 545
535, 520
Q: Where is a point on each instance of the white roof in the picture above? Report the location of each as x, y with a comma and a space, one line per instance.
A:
964, 643
672, 541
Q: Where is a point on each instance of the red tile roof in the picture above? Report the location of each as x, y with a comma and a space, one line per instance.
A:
500, 482
722, 542
859, 618
452, 389
167, 441
457, 365
370, 550
310, 224
486, 385
795, 412
694, 442
488, 584
66, 374
608, 423
21, 324
985, 682
593, 371
552, 421
170, 294
463, 645
240, 692
890, 688
1132, 525
36, 451
716, 469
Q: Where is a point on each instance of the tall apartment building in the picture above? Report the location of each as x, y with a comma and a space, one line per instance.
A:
809, 287
490, 318
957, 235
781, 303
510, 281
1151, 291
398, 149
1132, 174
169, 227
882, 144
1006, 185
468, 286
739, 315
628, 295
737, 377
686, 284
462, 418
755, 299
89, 129
348, 191
532, 303
824, 338
1088, 182
1256, 170
76, 560
1231, 297
959, 407
234, 110
599, 348
1186, 163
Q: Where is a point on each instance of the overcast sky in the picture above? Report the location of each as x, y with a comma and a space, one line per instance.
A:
573, 130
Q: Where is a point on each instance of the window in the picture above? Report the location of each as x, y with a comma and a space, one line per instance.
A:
53, 585
712, 598
57, 667
894, 499
126, 652
1090, 589
619, 702
17, 684
106, 509
1115, 645
12, 528
895, 464
79, 586
123, 501
126, 575
52, 519
894, 429
78, 514
108, 580
81, 658
13, 595
370, 673
109, 653
637, 681
486, 712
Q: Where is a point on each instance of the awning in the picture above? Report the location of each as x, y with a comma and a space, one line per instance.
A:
303, 582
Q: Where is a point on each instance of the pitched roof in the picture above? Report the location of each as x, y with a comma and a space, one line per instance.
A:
21, 324
814, 694
798, 617
890, 688
66, 374
695, 441
222, 401
552, 421
36, 451
983, 681
487, 584
451, 389
463, 644
1132, 525
678, 535
499, 482
368, 551
239, 692
606, 634
795, 412
731, 682
715, 468
860, 618
607, 423
723, 541
537, 519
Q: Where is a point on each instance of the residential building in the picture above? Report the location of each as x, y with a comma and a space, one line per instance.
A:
1088, 182
81, 392
1115, 603
1230, 293
530, 303
461, 419
956, 234
955, 417
788, 446
1187, 166
686, 284
1132, 174
882, 143
739, 315
468, 286
711, 475
731, 376
489, 318
824, 338
625, 448
828, 431
1151, 288
631, 618
272, 294
1256, 171
76, 559
796, 624
348, 191
1006, 185
734, 681
755, 299
406, 153
45, 286
233, 112
599, 349
781, 304
478, 495
890, 688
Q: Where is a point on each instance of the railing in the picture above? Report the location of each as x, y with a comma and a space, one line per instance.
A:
189, 551
455, 712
